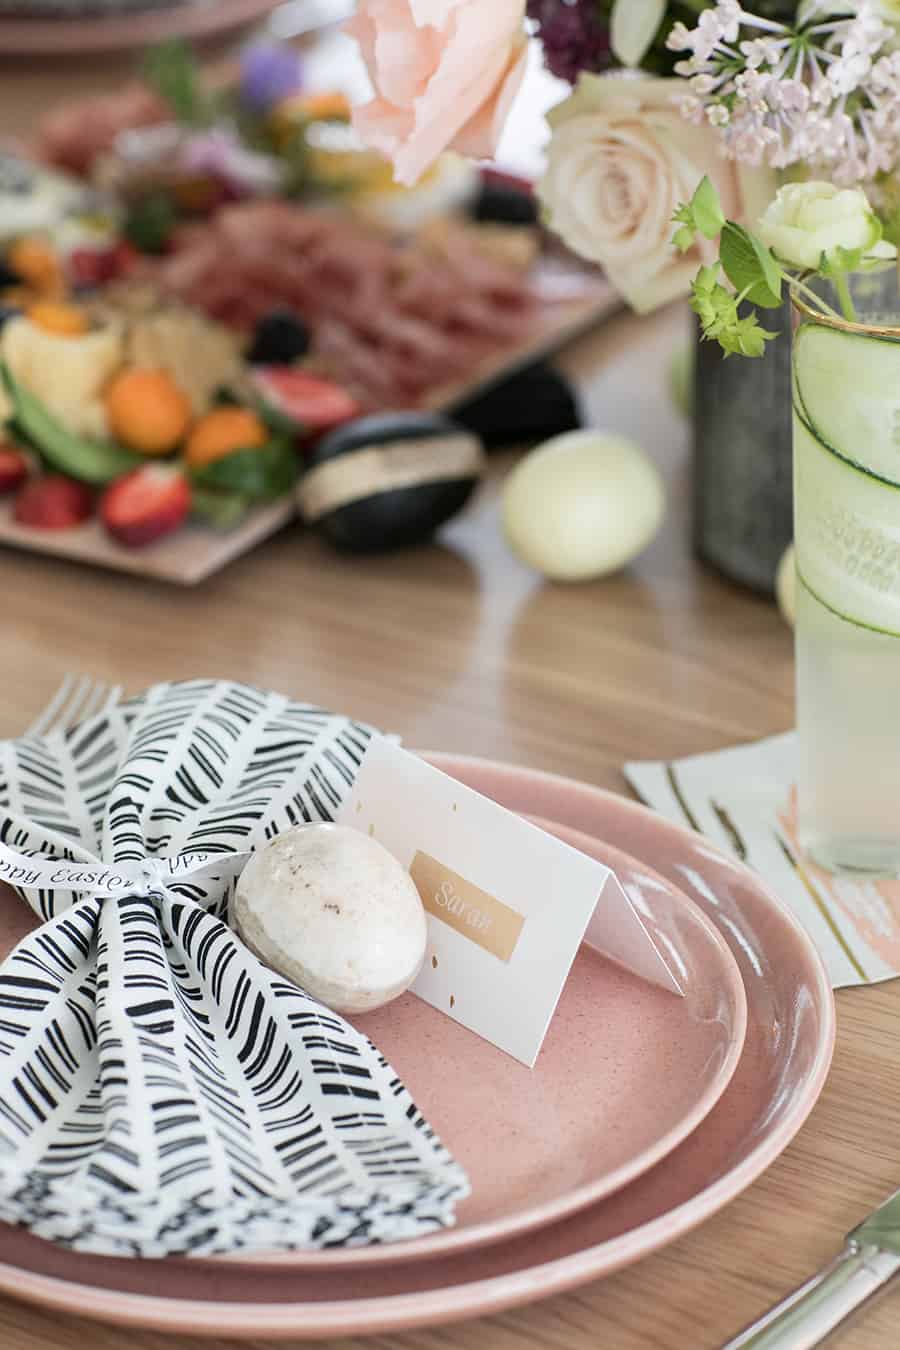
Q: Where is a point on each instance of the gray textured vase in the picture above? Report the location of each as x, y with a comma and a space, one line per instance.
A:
742, 458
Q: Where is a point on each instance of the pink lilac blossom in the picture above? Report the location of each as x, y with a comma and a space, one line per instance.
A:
824, 93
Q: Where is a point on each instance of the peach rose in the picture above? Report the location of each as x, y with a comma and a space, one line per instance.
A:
620, 160
444, 72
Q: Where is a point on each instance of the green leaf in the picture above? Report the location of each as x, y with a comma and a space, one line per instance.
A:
684, 238
281, 424
703, 214
150, 222
217, 507
709, 218
260, 473
171, 70
716, 309
720, 321
750, 266
746, 338
707, 279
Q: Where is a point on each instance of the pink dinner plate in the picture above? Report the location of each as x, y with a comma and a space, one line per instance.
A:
650, 1067
191, 19
790, 1034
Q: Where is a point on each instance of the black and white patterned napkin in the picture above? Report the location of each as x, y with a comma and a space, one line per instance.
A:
161, 1091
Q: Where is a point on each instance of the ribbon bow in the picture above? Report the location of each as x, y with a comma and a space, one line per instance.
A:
161, 1091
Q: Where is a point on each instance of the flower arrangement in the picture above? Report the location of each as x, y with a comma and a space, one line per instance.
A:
664, 94
811, 230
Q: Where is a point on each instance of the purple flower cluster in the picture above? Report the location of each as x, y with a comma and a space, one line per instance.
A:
574, 35
270, 72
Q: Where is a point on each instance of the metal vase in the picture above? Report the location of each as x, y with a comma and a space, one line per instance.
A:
742, 458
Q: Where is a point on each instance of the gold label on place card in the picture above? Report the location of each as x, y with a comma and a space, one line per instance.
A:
470, 911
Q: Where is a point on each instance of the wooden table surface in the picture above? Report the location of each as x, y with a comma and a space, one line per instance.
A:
460, 648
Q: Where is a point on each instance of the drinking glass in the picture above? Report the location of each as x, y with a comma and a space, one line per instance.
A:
846, 415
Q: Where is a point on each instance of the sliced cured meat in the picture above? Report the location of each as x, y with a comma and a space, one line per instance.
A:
390, 318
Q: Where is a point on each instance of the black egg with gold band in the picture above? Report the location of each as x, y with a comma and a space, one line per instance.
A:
389, 480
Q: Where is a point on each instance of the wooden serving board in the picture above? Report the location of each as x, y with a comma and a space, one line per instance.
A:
197, 551
185, 558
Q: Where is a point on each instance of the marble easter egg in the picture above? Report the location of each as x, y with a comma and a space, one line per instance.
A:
336, 913
389, 480
582, 505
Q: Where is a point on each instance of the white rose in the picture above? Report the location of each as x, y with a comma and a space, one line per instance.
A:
807, 220
622, 158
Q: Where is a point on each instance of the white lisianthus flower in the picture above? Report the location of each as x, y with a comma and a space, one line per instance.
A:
807, 221
622, 158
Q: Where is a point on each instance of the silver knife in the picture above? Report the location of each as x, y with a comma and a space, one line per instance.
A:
807, 1317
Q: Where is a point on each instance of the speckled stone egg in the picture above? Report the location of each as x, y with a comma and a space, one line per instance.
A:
335, 912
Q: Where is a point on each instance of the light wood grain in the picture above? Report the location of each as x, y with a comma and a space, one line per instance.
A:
460, 648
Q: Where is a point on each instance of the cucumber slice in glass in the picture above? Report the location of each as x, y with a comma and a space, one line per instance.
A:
847, 534
848, 386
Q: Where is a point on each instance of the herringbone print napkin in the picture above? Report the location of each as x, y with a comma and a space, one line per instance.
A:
161, 1091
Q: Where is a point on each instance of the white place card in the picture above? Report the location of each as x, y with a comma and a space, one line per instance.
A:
508, 904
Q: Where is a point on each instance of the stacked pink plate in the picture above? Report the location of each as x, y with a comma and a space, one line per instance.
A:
638, 1122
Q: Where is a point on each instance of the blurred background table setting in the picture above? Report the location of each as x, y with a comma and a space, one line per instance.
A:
450, 536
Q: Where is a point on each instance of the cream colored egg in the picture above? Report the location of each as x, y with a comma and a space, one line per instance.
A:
786, 585
336, 913
582, 505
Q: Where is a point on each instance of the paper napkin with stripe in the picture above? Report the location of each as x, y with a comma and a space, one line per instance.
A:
161, 1091
745, 800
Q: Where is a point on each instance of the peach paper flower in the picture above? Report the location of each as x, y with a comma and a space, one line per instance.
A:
444, 73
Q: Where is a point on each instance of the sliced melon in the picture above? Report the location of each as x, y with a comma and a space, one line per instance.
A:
846, 534
848, 386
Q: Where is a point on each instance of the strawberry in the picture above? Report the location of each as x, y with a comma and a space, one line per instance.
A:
146, 504
13, 469
53, 502
89, 267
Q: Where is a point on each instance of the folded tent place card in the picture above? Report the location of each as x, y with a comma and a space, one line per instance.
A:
508, 904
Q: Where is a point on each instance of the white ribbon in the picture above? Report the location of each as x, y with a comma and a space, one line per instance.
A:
126, 878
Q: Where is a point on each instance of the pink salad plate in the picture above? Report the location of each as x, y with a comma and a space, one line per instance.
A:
190, 19
787, 1052
650, 1067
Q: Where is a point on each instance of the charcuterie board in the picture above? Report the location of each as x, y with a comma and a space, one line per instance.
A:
197, 551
